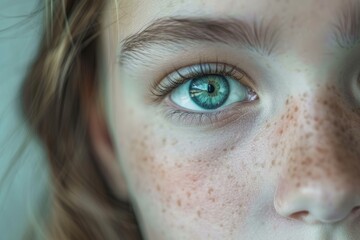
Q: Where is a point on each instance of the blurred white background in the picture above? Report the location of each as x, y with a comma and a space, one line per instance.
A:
24, 187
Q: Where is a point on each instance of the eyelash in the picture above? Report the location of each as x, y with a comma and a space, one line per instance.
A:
165, 87
161, 90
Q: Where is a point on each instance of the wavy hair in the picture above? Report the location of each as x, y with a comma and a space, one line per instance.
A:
56, 94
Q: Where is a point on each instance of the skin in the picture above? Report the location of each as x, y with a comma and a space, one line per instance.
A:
283, 167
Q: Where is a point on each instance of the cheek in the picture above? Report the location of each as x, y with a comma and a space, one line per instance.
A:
186, 180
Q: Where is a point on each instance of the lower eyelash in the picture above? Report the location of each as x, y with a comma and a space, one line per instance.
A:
206, 119
192, 118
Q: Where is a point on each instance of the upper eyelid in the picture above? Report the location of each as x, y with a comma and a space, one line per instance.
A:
210, 70
192, 72
176, 77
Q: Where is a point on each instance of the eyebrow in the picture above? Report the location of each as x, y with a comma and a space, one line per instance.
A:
347, 26
256, 36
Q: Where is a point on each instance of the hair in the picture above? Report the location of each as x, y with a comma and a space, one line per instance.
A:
57, 93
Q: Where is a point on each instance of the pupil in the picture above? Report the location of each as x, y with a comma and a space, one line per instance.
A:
210, 88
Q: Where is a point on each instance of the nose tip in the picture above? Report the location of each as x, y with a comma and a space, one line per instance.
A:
315, 205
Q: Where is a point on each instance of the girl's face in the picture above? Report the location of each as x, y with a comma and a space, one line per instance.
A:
237, 119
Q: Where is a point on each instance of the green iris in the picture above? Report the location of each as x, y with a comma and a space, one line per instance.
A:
210, 91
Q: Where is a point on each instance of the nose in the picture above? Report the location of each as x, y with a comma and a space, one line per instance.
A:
320, 174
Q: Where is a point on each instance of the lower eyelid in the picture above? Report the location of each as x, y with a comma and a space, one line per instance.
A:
212, 119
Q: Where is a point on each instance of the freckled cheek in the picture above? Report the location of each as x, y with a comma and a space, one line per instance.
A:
187, 184
200, 192
191, 184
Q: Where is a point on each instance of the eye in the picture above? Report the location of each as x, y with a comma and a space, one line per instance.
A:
210, 92
199, 94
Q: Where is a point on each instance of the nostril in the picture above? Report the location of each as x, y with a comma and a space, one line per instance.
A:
356, 209
355, 214
304, 216
299, 215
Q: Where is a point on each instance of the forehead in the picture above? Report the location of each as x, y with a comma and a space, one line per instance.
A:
306, 29
139, 12
301, 23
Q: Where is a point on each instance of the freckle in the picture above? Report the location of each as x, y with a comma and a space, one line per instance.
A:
281, 131
308, 160
210, 190
178, 202
287, 101
179, 165
321, 150
229, 176
158, 187
188, 194
199, 213
225, 149
232, 148
308, 135
273, 162
296, 109
343, 129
